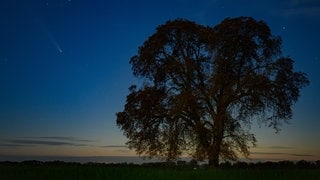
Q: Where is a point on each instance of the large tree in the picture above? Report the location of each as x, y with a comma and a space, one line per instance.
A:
203, 87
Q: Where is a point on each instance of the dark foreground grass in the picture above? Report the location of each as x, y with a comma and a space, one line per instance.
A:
79, 172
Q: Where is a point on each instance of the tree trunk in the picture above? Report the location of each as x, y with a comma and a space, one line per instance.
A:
214, 162
214, 151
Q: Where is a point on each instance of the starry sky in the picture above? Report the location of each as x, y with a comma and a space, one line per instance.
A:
64, 71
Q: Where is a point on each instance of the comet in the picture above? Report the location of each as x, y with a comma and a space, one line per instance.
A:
52, 40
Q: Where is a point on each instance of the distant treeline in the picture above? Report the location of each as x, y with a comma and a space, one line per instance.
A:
302, 164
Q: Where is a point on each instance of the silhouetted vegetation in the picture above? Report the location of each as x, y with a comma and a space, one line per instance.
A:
162, 170
302, 164
204, 86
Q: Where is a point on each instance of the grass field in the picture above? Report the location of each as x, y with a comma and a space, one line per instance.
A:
78, 172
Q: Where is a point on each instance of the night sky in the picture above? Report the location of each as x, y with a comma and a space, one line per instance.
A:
64, 71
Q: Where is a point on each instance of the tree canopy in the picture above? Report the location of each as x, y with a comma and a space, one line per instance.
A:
203, 87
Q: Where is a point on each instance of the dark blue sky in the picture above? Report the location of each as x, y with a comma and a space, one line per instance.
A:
64, 70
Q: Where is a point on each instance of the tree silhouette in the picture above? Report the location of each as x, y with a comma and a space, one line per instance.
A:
204, 86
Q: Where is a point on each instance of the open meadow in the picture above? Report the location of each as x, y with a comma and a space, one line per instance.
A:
60, 170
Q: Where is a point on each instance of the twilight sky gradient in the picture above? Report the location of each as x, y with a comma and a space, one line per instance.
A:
64, 71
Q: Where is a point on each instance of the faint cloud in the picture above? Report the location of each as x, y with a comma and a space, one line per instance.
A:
302, 11
277, 153
297, 8
299, 2
124, 151
268, 153
301, 155
309, 8
280, 147
38, 142
65, 138
49, 141
115, 146
11, 145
